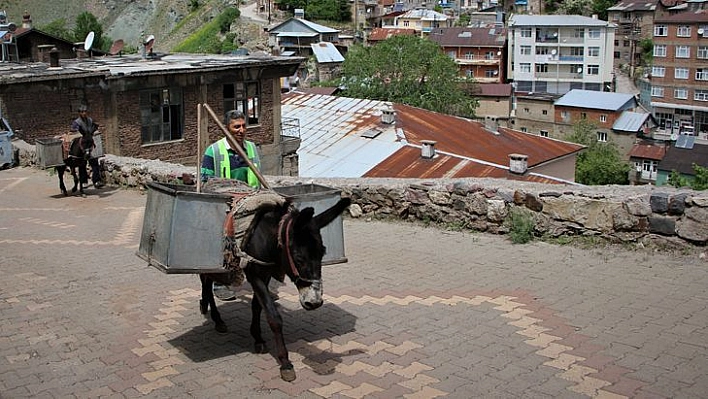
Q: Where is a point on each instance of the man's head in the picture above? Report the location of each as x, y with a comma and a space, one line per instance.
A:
235, 122
83, 110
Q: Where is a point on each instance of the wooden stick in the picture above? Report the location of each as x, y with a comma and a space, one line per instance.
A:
199, 148
234, 144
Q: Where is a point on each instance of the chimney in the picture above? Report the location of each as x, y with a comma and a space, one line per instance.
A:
54, 58
300, 13
490, 123
594, 16
26, 20
427, 149
518, 163
388, 115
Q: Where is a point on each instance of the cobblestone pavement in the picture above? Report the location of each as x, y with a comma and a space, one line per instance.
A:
416, 313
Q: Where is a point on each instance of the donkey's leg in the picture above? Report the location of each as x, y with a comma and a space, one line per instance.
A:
72, 168
275, 321
208, 301
60, 172
83, 175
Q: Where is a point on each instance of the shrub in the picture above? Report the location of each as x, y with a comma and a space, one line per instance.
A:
521, 225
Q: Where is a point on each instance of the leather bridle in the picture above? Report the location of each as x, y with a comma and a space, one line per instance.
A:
286, 223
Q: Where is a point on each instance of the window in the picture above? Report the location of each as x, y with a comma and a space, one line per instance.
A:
681, 93
661, 30
525, 67
527, 110
617, 55
489, 55
579, 32
603, 118
593, 52
544, 112
523, 130
681, 73
525, 32
593, 70
544, 133
658, 71
700, 95
701, 73
594, 33
565, 115
602, 137
525, 50
702, 52
625, 43
683, 31
659, 50
469, 73
657, 91
683, 52
541, 68
245, 97
542, 51
161, 115
452, 54
469, 55
704, 30
490, 73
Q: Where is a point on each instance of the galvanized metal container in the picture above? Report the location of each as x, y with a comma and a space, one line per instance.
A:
320, 198
98, 150
49, 152
6, 156
182, 229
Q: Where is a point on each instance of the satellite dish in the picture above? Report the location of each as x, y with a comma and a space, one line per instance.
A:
116, 47
700, 31
149, 42
11, 27
88, 42
553, 51
580, 70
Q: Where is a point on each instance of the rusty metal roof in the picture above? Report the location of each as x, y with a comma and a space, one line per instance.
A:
378, 34
334, 134
469, 37
648, 151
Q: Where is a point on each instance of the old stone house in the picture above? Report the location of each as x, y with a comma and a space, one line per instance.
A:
147, 107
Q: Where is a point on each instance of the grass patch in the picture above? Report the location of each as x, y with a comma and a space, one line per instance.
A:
207, 39
521, 225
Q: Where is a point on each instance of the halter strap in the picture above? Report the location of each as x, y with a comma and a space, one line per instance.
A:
285, 223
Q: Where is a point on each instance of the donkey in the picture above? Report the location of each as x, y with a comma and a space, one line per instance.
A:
78, 155
283, 241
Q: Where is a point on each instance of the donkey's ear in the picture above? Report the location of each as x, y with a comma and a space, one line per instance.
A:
304, 217
326, 217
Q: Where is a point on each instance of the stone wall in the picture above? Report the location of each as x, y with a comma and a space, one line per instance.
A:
634, 214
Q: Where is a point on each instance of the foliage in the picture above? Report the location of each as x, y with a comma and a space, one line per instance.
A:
699, 181
330, 10
600, 163
409, 70
575, 7
57, 28
193, 5
646, 47
464, 20
600, 7
207, 39
521, 225
87, 22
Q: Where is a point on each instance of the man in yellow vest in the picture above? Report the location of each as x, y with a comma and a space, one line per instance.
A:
220, 160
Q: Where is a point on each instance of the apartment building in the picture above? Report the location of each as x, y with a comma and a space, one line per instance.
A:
558, 53
635, 21
678, 82
478, 52
422, 20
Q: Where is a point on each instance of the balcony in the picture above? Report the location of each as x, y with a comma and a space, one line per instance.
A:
478, 61
574, 58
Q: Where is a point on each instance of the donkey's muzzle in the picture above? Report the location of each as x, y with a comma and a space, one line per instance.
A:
311, 296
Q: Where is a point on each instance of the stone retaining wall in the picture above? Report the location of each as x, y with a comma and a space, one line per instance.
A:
637, 214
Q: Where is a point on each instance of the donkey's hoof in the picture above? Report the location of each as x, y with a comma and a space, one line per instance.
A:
221, 328
66, 193
260, 347
73, 190
287, 373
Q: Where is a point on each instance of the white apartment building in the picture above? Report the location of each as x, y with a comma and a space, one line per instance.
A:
558, 53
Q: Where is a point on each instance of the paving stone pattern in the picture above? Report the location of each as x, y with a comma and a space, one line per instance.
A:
415, 313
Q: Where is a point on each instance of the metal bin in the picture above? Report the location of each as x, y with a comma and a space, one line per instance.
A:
320, 198
49, 152
98, 150
6, 155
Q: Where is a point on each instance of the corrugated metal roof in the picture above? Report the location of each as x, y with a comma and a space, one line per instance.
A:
597, 100
555, 20
630, 121
378, 34
326, 52
688, 16
424, 14
648, 151
457, 36
682, 159
647, 5
493, 90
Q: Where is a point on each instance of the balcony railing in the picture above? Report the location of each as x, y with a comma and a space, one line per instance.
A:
558, 75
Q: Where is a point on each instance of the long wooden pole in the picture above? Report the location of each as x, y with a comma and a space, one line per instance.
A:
199, 148
234, 144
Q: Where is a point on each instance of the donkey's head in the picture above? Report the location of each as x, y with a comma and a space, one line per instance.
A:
303, 250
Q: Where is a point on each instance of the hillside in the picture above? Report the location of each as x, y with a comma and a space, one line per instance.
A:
170, 21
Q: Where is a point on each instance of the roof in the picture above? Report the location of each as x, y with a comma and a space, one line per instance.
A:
640, 5
555, 20
133, 65
326, 52
423, 14
687, 16
682, 159
318, 90
331, 130
493, 90
301, 25
648, 151
460, 37
378, 34
631, 121
597, 100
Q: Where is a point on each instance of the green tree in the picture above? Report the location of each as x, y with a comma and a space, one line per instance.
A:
600, 7
575, 7
57, 28
409, 70
464, 20
700, 180
85, 23
600, 163
646, 47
